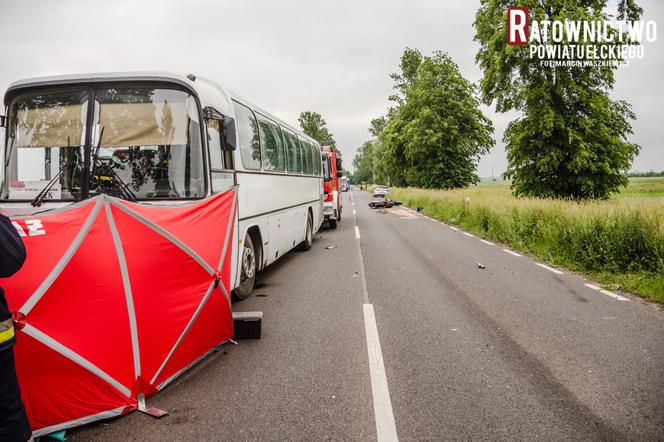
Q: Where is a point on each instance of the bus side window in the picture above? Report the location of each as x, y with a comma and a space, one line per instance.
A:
272, 146
300, 153
214, 143
317, 160
221, 179
293, 156
307, 163
250, 150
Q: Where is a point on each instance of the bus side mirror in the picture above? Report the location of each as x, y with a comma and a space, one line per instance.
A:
226, 126
339, 164
228, 134
339, 174
3, 121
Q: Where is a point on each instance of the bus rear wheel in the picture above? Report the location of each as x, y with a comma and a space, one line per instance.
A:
308, 235
248, 275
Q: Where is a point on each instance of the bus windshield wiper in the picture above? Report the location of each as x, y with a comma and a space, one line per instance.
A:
36, 202
124, 188
125, 191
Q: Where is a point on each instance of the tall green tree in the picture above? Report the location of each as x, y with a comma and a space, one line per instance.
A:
571, 140
435, 135
313, 124
363, 163
369, 162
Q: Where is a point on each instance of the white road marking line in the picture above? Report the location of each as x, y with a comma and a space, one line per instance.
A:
454, 228
551, 269
386, 429
511, 252
606, 292
469, 234
354, 212
487, 242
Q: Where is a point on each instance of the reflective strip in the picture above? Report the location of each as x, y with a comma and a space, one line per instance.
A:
129, 297
146, 222
231, 220
185, 331
78, 422
224, 251
59, 267
198, 360
75, 357
6, 324
7, 334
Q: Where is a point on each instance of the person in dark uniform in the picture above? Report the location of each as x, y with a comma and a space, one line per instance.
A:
14, 426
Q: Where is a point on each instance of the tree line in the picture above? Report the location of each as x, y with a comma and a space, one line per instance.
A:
570, 140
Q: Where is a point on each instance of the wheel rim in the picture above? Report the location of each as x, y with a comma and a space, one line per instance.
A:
248, 263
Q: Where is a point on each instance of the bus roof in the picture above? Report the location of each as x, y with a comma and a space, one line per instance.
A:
208, 92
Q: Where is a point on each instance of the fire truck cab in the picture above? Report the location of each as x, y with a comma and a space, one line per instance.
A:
331, 173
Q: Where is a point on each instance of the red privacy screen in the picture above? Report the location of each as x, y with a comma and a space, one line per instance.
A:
115, 300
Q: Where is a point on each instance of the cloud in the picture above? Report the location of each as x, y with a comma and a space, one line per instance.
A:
287, 56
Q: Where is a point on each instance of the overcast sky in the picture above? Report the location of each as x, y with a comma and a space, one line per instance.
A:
333, 57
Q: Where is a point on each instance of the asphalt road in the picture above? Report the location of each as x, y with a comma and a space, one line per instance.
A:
511, 351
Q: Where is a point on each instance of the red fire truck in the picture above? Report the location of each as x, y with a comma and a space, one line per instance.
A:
331, 173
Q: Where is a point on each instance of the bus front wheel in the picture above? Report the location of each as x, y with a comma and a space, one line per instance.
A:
248, 275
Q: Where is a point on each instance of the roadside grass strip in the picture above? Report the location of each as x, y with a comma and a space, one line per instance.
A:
606, 292
551, 269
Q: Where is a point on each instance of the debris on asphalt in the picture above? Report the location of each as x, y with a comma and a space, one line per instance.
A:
480, 265
378, 202
330, 247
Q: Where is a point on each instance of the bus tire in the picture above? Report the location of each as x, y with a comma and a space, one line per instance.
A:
339, 214
332, 222
249, 268
308, 235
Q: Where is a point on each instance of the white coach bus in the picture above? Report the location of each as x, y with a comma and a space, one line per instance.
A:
163, 137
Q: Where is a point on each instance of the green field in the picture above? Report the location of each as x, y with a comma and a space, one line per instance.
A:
619, 242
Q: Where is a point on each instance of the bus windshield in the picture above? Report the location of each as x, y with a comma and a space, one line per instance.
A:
144, 143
